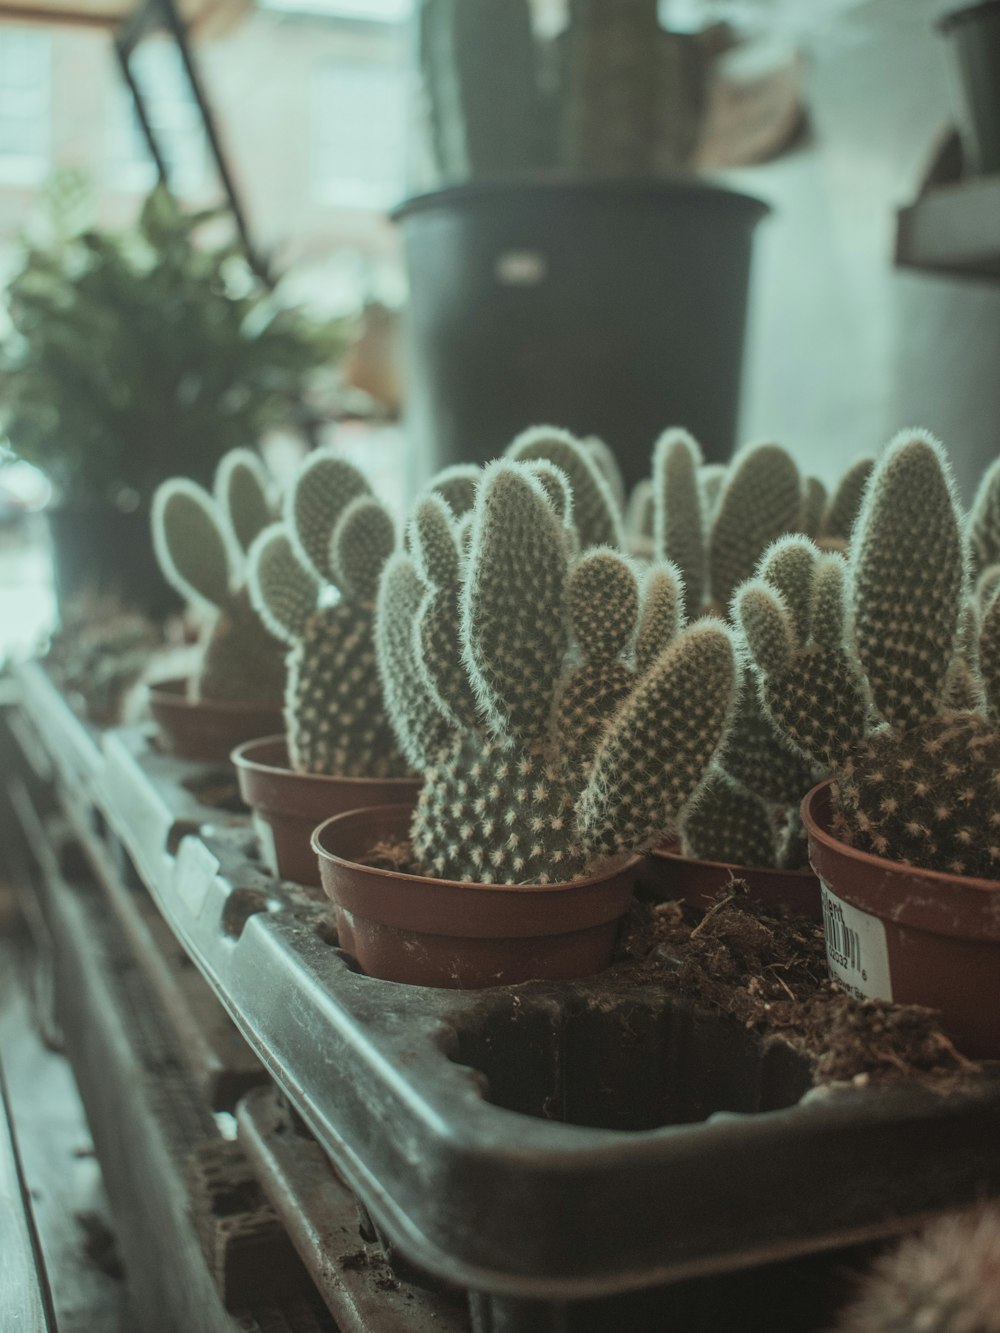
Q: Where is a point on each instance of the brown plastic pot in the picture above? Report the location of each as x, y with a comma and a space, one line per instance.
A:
666, 874
436, 932
897, 932
287, 805
209, 728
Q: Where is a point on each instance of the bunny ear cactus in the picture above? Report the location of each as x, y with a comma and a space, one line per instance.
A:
714, 523
944, 1279
984, 519
749, 810
244, 491
869, 689
314, 580
198, 540
456, 485
639, 519
596, 512
842, 508
678, 514
555, 750
760, 500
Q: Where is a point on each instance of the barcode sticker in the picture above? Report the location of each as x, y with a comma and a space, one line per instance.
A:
856, 951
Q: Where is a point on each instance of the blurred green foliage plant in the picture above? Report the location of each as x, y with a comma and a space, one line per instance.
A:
134, 355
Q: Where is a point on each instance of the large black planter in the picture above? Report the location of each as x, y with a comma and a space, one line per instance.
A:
973, 34
613, 308
100, 548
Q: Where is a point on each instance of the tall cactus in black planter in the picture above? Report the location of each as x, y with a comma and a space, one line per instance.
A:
565, 246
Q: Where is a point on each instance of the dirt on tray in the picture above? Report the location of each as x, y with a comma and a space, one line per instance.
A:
769, 973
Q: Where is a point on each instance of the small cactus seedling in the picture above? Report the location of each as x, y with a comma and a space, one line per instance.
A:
866, 683
557, 709
313, 580
946, 1279
201, 542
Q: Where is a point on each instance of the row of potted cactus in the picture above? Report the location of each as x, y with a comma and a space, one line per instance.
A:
533, 685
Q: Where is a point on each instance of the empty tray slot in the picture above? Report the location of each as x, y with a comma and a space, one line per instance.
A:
625, 1062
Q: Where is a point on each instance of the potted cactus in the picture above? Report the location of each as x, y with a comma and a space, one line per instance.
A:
719, 525
201, 541
313, 580
561, 720
566, 242
883, 670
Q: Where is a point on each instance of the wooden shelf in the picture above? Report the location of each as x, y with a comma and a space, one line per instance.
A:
953, 229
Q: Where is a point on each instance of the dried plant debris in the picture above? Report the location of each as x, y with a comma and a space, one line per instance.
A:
769, 974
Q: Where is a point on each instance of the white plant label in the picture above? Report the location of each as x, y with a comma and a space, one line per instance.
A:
856, 950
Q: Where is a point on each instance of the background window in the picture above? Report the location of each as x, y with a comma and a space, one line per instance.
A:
176, 121
25, 105
358, 124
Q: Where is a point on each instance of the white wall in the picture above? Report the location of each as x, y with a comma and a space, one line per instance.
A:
843, 348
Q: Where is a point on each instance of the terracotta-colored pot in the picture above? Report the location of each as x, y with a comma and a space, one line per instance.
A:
287, 805
666, 874
435, 932
896, 932
210, 728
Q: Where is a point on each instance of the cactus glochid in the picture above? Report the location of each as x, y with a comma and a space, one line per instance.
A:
335, 539
546, 740
201, 541
894, 698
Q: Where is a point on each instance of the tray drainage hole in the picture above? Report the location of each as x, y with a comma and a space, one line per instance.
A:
183, 828
240, 906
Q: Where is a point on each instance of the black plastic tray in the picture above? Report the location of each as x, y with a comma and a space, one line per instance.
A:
543, 1142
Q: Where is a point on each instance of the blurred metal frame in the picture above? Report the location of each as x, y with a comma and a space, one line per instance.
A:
153, 16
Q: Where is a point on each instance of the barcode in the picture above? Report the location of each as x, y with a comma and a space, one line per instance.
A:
843, 945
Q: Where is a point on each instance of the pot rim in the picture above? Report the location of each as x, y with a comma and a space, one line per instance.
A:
243, 759
612, 867
944, 880
656, 189
171, 693
671, 852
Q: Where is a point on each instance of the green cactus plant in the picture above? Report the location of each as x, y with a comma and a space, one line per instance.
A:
481, 90
984, 519
944, 1279
865, 684
843, 505
201, 542
313, 580
715, 524
753, 809
547, 743
597, 513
